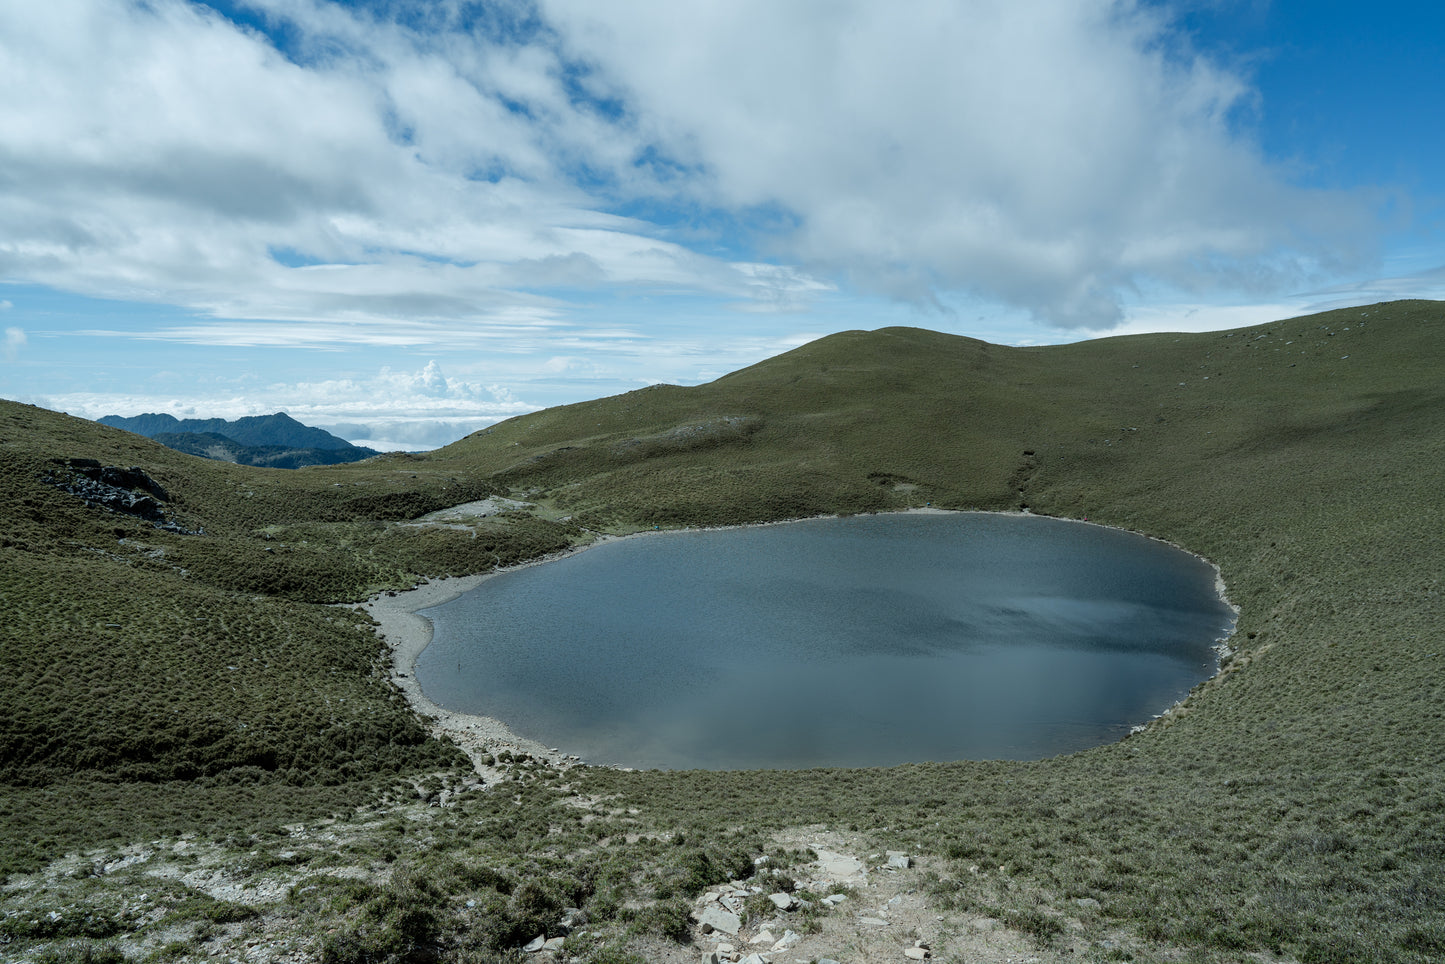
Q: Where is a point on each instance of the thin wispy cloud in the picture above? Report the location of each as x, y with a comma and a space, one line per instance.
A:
14, 341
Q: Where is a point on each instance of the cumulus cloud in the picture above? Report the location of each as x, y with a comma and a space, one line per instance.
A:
374, 173
1047, 155
406, 171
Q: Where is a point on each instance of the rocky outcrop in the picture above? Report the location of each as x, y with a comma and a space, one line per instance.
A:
127, 490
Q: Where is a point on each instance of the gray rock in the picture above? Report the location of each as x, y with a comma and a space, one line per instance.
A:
1088, 903
782, 901
899, 860
536, 944
720, 919
839, 865
788, 939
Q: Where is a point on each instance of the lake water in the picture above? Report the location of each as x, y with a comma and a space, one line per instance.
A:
863, 641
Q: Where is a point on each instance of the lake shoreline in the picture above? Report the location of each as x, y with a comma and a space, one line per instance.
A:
407, 634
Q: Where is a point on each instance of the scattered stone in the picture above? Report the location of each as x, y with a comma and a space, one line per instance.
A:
898, 860
554, 945
833, 900
711, 957
764, 937
536, 944
916, 953
572, 918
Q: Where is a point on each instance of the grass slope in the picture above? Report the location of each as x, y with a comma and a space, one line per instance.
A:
1289, 806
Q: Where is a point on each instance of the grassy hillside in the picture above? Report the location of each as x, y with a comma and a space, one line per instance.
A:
1290, 806
189, 679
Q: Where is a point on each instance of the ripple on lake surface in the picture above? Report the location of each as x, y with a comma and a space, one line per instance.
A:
863, 641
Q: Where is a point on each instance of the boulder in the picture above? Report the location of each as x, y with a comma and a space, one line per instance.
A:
715, 918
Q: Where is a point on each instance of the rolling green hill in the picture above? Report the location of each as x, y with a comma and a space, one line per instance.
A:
191, 678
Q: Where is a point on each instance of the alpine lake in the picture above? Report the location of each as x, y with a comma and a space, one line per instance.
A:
858, 641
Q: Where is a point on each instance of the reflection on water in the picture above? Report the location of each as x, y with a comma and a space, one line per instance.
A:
864, 641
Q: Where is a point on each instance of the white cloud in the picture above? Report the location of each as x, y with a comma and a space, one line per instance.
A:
1047, 155
159, 152
14, 339
407, 177
393, 408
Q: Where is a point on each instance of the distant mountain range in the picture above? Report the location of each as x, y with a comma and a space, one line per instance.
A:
276, 441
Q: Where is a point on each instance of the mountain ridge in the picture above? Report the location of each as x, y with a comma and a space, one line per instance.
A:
277, 441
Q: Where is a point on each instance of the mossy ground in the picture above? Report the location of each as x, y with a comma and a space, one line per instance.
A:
157, 684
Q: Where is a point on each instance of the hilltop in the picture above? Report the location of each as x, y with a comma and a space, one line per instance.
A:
183, 682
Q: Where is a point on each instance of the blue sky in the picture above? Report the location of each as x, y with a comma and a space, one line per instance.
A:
406, 220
